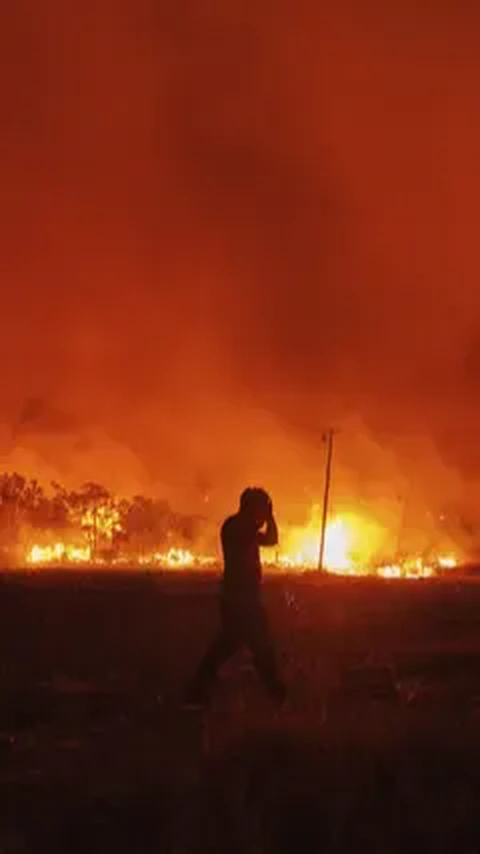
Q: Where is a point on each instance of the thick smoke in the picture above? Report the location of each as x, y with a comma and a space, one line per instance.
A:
225, 228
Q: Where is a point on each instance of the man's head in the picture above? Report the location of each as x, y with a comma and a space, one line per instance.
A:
256, 504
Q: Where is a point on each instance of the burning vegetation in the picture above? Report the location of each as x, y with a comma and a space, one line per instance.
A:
92, 527
356, 545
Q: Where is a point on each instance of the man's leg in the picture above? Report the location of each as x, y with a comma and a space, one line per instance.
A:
221, 648
260, 642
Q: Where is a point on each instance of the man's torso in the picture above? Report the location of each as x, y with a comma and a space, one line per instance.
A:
242, 572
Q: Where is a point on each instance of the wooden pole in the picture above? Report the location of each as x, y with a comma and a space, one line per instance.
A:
328, 438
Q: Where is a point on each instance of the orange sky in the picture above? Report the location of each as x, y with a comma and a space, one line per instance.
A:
223, 228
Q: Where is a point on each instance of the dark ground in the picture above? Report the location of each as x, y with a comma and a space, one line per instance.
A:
377, 749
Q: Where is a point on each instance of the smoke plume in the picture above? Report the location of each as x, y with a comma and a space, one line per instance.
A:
225, 228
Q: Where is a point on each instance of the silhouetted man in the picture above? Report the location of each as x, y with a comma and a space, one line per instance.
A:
243, 619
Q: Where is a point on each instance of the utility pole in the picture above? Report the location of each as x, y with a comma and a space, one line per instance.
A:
403, 518
94, 533
328, 438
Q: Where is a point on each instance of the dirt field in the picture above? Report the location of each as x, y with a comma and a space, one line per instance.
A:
377, 748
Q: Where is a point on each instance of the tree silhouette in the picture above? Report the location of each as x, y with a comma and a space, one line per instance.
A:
141, 524
22, 502
87, 508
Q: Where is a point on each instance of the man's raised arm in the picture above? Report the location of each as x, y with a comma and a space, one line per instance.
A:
269, 537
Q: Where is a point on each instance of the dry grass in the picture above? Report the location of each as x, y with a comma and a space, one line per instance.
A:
376, 749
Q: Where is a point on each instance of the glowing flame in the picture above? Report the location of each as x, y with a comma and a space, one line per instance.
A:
350, 543
447, 562
353, 545
177, 559
171, 559
339, 545
393, 571
105, 520
58, 553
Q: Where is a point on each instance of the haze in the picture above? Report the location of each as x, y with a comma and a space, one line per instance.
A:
227, 225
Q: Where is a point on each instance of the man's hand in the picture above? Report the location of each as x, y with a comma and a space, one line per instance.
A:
270, 536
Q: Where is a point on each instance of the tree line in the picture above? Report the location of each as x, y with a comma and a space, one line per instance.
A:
108, 524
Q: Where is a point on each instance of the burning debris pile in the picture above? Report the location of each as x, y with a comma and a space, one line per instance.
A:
93, 527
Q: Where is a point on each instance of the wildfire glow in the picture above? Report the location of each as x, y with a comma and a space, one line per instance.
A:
447, 561
352, 547
350, 543
61, 553
177, 558
104, 519
58, 553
